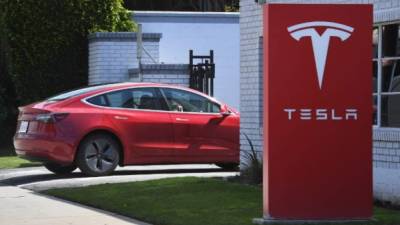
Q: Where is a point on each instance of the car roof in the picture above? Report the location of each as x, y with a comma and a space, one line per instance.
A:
125, 85
122, 85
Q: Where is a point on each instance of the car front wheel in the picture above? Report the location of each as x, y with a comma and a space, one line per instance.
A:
60, 169
98, 155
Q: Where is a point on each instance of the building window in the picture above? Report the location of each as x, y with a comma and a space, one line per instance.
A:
386, 75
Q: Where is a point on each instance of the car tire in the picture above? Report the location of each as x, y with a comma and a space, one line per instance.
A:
98, 155
228, 166
60, 169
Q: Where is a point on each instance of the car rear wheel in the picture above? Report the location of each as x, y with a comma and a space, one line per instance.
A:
228, 166
98, 155
60, 169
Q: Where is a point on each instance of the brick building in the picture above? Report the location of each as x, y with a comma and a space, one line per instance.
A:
386, 77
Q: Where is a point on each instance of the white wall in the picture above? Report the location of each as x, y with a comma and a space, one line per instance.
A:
182, 31
111, 54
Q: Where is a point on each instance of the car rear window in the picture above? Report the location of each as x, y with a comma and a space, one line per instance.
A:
77, 92
98, 100
133, 98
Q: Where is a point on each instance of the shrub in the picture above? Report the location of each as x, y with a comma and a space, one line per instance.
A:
48, 41
44, 48
252, 172
7, 99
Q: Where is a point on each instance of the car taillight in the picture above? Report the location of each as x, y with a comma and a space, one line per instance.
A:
51, 117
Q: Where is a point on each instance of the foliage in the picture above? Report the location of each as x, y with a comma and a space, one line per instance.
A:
7, 94
44, 48
184, 5
252, 172
3, 108
229, 8
48, 41
232, 6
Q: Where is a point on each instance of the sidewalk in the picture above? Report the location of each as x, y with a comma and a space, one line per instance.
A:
23, 207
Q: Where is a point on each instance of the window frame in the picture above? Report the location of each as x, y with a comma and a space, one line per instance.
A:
201, 113
77, 92
158, 92
379, 94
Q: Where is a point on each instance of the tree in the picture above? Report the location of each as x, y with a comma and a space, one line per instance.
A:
48, 41
44, 44
183, 5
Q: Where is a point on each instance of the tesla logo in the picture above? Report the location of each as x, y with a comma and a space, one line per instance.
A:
321, 114
320, 43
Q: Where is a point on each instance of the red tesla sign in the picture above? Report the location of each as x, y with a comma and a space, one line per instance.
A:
318, 111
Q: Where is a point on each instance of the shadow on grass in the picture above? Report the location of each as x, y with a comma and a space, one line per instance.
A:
30, 164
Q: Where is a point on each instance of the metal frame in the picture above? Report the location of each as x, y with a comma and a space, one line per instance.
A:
84, 100
202, 74
379, 78
379, 94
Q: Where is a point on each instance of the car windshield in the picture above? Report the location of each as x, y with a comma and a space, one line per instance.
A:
76, 92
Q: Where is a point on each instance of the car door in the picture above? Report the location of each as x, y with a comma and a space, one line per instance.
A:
143, 122
201, 132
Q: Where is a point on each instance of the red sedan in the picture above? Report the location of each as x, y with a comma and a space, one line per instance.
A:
99, 127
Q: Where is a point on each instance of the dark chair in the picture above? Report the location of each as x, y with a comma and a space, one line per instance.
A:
147, 102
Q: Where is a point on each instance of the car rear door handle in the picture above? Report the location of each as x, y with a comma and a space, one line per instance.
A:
182, 119
120, 117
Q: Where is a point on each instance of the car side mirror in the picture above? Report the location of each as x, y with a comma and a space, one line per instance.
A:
224, 111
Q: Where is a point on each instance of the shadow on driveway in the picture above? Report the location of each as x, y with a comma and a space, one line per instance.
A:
33, 178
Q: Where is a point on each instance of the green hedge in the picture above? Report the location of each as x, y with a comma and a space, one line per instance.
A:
45, 48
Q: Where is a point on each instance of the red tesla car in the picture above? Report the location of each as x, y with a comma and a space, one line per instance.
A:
99, 127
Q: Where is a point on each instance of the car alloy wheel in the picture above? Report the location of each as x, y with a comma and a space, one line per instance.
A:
98, 155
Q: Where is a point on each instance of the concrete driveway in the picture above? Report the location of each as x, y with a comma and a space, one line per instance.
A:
39, 179
24, 207
20, 204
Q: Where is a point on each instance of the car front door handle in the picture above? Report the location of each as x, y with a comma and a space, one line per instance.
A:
182, 120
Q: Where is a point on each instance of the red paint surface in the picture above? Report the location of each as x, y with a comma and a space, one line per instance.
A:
317, 169
147, 137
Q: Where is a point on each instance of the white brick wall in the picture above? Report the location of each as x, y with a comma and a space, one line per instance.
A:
386, 159
176, 74
174, 78
387, 184
250, 74
112, 54
386, 142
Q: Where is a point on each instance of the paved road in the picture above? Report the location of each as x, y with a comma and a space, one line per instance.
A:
20, 204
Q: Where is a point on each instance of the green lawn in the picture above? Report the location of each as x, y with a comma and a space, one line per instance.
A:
9, 162
184, 201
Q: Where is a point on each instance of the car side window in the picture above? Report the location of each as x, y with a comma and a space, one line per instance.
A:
185, 101
135, 98
99, 100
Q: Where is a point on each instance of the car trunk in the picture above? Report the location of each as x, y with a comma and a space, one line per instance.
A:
28, 122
